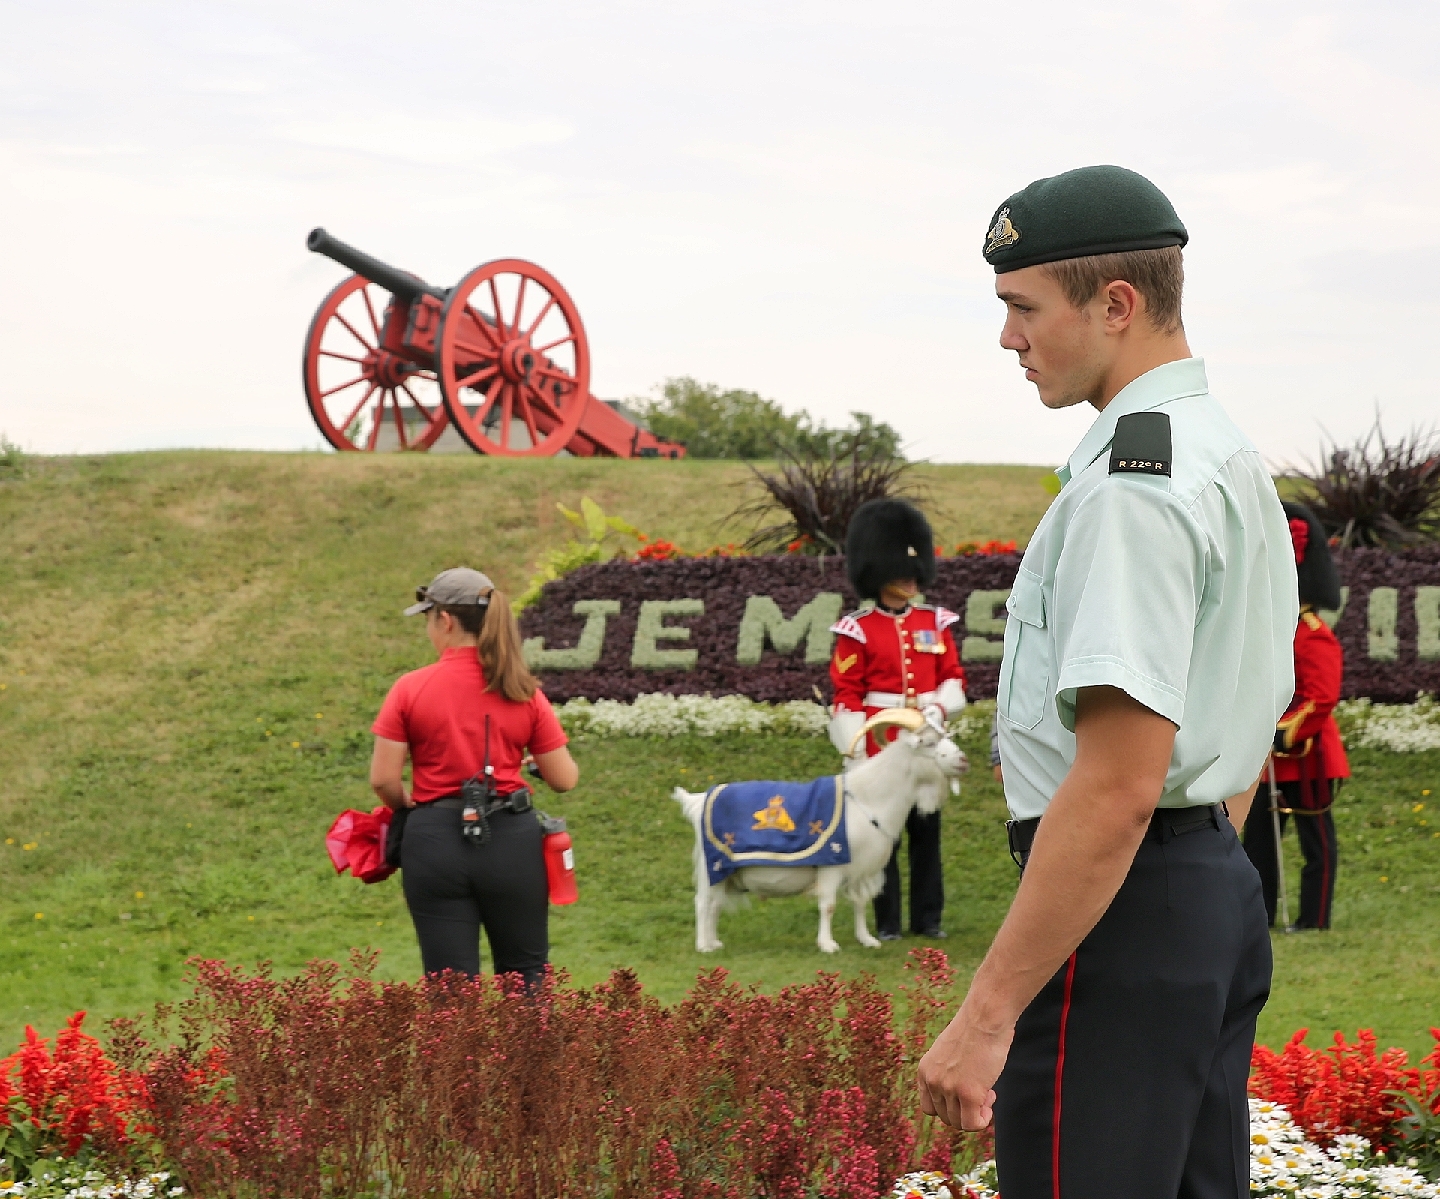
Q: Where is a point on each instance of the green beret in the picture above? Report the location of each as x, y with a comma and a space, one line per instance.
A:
1093, 210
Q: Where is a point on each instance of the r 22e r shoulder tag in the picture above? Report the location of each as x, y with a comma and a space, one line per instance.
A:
1142, 444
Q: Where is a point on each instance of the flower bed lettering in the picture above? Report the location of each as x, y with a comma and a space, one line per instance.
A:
759, 627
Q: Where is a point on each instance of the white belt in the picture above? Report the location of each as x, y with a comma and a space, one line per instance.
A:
893, 699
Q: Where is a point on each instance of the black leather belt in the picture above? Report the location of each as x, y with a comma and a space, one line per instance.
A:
516, 802
1165, 824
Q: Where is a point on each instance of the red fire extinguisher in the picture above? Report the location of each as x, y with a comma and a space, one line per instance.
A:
559, 861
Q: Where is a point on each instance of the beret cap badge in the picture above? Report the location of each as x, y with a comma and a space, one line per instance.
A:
1002, 233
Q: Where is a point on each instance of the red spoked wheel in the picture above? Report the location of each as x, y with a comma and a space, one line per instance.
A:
513, 361
363, 396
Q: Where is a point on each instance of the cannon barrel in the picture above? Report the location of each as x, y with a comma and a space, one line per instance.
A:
401, 284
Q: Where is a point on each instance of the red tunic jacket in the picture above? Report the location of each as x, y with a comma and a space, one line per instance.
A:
883, 660
1313, 749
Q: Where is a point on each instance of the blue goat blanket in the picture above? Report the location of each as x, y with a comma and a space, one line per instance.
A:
774, 824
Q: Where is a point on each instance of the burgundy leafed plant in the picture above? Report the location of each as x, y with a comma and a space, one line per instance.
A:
805, 504
1377, 492
336, 1084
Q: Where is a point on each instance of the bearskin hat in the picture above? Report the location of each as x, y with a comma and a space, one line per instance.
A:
1319, 580
888, 540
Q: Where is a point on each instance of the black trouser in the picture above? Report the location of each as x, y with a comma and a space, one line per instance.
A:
1316, 831
1127, 1074
927, 880
453, 886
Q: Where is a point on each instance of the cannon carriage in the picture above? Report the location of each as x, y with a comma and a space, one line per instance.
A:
501, 358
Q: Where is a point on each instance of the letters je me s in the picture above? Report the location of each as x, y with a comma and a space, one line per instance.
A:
984, 625
763, 621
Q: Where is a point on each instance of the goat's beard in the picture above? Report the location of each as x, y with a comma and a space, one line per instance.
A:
928, 790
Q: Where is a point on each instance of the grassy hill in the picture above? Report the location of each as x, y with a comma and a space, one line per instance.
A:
193, 645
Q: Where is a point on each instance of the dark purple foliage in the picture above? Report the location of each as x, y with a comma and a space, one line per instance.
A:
792, 580
1362, 570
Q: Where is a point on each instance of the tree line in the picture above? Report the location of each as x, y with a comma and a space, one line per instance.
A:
715, 422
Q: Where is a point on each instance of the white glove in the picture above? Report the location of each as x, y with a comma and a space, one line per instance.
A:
844, 726
951, 697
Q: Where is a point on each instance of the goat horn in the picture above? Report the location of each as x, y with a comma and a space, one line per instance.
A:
910, 718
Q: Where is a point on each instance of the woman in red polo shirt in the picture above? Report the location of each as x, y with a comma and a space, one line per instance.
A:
442, 716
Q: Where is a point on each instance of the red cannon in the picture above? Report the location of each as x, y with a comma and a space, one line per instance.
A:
501, 356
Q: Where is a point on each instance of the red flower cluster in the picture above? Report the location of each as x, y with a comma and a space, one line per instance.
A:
73, 1097
659, 550
985, 548
470, 1087
1342, 1088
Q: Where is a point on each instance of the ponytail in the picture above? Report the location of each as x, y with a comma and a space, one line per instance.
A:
502, 658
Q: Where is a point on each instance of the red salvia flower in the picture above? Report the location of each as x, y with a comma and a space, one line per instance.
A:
75, 1096
1342, 1088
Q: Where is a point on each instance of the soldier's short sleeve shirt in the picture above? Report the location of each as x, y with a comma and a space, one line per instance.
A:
1178, 590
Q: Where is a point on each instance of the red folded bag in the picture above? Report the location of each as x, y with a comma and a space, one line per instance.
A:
356, 842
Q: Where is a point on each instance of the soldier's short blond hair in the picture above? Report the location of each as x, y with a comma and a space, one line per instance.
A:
1158, 275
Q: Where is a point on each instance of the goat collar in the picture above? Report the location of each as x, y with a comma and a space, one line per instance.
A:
870, 816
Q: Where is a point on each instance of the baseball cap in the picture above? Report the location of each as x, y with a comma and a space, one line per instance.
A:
460, 585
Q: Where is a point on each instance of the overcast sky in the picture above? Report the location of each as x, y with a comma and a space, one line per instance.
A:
784, 196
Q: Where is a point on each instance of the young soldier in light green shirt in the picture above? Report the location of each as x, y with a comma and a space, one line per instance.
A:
1147, 658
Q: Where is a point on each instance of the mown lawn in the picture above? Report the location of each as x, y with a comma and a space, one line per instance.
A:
192, 646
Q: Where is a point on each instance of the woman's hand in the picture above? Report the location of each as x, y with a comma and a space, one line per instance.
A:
558, 769
387, 773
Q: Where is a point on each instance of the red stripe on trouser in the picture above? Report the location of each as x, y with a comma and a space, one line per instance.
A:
1059, 1078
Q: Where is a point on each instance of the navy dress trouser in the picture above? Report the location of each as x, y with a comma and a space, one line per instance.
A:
1318, 847
927, 879
1128, 1071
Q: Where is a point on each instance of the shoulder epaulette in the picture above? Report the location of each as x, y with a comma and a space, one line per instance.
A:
1312, 622
1141, 444
848, 626
944, 618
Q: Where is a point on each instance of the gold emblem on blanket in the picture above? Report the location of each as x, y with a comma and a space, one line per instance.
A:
773, 815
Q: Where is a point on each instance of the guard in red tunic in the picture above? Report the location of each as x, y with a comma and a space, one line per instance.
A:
1309, 756
895, 653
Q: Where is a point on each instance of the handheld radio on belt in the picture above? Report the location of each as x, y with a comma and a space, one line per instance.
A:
480, 799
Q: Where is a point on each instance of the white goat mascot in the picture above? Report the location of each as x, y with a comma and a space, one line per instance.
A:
914, 770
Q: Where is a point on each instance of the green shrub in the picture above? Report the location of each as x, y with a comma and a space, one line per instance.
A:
575, 553
12, 459
743, 424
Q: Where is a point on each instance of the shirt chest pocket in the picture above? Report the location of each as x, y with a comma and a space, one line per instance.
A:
1025, 670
